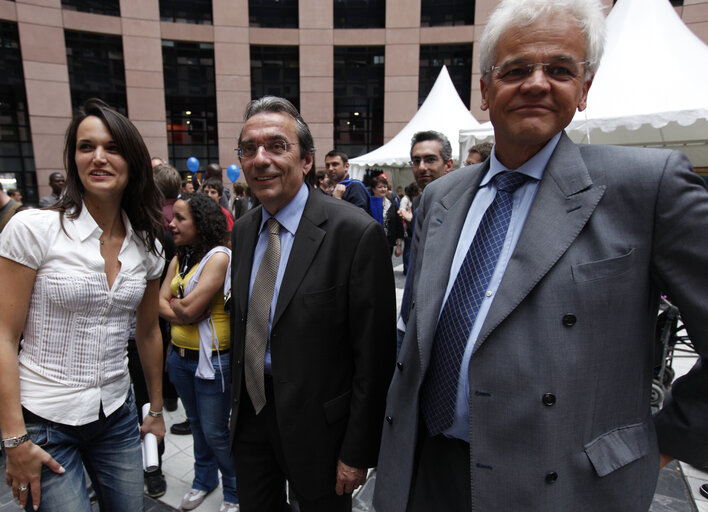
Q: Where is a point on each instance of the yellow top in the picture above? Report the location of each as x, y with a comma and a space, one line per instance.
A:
187, 336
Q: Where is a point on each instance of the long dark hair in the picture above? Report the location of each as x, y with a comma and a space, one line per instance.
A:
141, 201
210, 223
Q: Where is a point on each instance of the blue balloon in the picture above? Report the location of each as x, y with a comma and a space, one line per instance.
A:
233, 172
192, 164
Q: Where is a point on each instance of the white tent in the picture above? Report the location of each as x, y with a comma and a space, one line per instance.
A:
442, 111
651, 88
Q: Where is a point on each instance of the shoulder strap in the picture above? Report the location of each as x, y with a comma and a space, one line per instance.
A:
7, 212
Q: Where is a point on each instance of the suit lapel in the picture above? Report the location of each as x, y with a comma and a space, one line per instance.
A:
308, 239
565, 200
248, 235
445, 221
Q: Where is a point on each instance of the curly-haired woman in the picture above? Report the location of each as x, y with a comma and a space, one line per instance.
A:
192, 300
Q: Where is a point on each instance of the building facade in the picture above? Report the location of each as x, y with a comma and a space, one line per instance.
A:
183, 70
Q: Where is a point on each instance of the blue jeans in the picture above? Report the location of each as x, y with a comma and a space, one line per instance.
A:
207, 407
110, 450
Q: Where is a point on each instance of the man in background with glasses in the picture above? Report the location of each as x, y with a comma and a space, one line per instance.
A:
431, 157
524, 378
313, 336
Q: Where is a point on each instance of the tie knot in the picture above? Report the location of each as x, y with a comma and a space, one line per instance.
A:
509, 181
273, 226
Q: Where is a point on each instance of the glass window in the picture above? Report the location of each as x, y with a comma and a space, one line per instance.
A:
457, 58
96, 68
109, 7
358, 98
186, 11
359, 13
273, 13
275, 71
190, 102
435, 13
17, 168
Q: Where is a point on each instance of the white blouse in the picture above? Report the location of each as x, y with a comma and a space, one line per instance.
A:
74, 351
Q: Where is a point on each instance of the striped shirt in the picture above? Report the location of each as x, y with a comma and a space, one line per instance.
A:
74, 351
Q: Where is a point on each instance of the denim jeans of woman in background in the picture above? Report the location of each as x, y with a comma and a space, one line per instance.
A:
110, 450
207, 406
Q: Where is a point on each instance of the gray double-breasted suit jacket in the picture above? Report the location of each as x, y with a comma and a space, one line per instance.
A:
561, 372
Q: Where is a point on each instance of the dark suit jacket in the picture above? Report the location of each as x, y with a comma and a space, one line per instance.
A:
561, 372
333, 339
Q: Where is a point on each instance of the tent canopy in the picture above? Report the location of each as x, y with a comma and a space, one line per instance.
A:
650, 88
442, 111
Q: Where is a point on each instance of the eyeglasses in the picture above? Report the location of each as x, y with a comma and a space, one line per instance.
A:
429, 160
563, 70
273, 147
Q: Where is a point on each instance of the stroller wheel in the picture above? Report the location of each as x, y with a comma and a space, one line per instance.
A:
669, 375
657, 394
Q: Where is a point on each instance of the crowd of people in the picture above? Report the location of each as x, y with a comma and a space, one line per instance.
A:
520, 375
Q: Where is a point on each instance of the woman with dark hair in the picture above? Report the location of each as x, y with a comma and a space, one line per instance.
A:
392, 223
192, 299
78, 272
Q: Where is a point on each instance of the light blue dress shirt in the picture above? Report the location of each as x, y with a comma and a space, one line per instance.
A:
289, 218
523, 197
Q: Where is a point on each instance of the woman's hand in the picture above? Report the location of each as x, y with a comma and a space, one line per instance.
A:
194, 307
152, 425
24, 471
406, 214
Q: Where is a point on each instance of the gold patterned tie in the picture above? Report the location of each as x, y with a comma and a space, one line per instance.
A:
259, 315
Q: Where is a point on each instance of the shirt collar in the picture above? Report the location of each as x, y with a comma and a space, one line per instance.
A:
289, 215
533, 167
86, 225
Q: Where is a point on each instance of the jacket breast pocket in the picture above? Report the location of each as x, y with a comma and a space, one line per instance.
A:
319, 298
603, 269
617, 448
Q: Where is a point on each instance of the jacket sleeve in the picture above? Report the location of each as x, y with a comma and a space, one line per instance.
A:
372, 317
680, 267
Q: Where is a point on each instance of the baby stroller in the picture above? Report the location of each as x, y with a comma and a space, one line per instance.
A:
671, 339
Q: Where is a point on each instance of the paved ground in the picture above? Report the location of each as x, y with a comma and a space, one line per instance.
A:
677, 490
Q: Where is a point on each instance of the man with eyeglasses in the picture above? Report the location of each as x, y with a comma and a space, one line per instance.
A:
431, 157
524, 378
345, 188
313, 336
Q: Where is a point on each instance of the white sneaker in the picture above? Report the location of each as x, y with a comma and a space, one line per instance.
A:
193, 499
229, 507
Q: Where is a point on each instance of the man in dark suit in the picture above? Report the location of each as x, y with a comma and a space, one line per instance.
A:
524, 378
308, 401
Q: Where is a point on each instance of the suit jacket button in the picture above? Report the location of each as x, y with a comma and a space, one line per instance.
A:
569, 320
551, 477
389, 419
399, 365
549, 399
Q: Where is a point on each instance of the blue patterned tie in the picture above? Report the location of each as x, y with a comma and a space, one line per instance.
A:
439, 391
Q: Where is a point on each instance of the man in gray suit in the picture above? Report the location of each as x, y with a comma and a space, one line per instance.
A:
550, 350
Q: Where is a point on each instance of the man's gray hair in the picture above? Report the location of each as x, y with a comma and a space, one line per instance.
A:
511, 13
276, 105
445, 147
